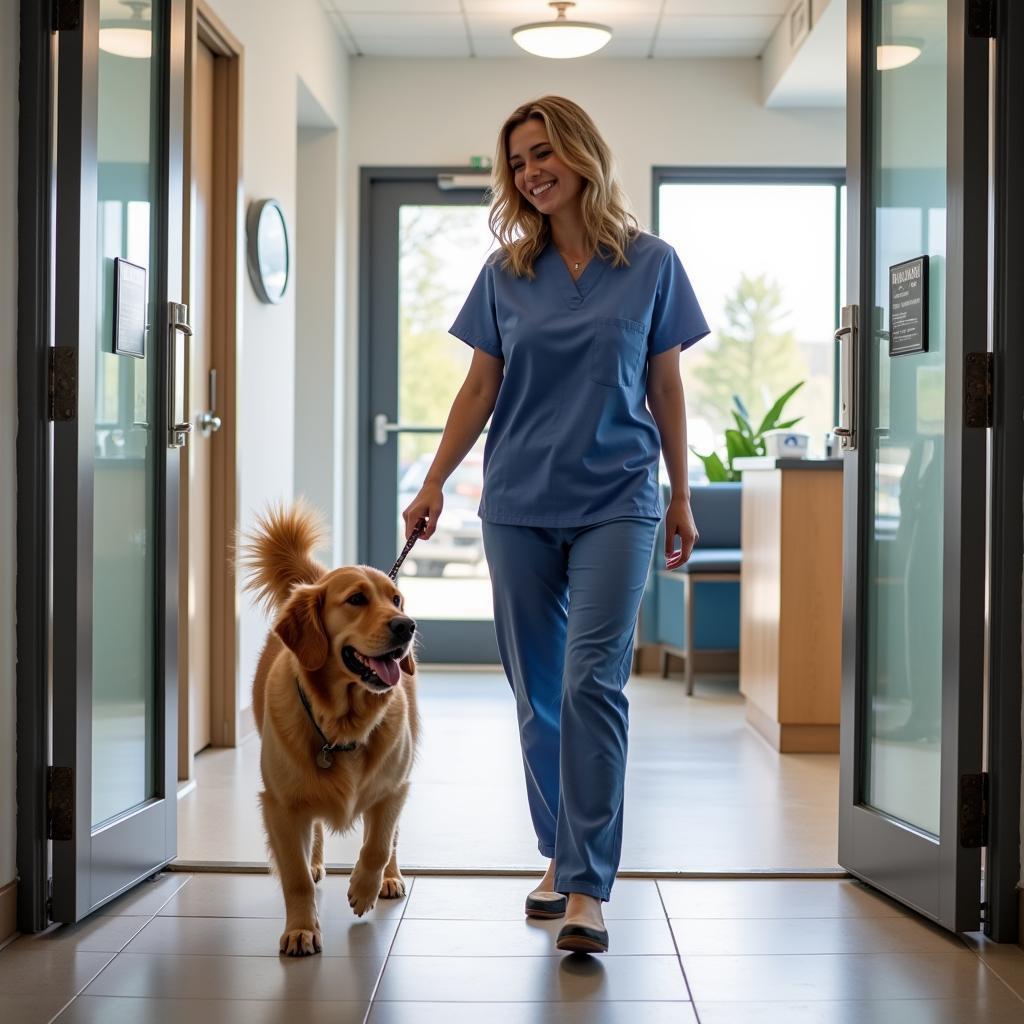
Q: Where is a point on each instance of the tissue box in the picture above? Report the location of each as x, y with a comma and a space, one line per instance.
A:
789, 444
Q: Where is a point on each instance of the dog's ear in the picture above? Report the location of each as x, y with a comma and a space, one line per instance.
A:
301, 627
408, 665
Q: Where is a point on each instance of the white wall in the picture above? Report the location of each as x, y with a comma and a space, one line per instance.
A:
282, 41
9, 50
653, 113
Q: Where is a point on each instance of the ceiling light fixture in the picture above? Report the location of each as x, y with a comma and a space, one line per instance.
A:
561, 38
895, 51
128, 37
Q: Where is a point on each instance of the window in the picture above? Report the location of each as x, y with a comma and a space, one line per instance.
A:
764, 254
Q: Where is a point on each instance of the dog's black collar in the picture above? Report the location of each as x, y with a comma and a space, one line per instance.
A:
323, 758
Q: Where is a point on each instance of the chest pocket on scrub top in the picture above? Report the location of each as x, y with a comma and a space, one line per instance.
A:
616, 351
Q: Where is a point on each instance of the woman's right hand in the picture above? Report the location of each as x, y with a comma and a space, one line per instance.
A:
426, 505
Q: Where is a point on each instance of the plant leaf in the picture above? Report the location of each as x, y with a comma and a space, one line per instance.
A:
713, 467
738, 446
772, 415
744, 426
788, 424
738, 402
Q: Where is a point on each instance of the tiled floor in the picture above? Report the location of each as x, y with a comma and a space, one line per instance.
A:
202, 949
704, 792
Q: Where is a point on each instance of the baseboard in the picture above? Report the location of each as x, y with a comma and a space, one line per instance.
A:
8, 911
793, 739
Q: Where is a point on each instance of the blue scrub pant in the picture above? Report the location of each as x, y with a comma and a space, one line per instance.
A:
565, 606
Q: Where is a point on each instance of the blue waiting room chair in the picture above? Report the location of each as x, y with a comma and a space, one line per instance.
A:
696, 608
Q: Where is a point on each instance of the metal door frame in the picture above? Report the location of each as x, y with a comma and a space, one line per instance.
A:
462, 642
1004, 905
895, 858
50, 167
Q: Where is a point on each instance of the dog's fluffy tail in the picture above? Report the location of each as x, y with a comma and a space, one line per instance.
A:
278, 553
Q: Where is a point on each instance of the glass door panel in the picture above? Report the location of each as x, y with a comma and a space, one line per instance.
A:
441, 249
127, 451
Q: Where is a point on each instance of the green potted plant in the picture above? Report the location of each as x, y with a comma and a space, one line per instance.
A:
743, 440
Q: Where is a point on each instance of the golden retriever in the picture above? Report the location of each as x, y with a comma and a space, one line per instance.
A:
335, 704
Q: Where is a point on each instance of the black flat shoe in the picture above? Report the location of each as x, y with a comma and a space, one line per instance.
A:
547, 906
578, 938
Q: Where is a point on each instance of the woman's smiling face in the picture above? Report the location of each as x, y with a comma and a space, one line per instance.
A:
539, 175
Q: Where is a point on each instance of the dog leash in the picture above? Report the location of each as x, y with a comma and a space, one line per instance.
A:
413, 537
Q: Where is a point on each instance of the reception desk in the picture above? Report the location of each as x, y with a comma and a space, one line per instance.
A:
791, 600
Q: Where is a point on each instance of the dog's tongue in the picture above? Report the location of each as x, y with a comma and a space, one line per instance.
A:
387, 669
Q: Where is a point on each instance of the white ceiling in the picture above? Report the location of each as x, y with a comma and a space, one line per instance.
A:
482, 28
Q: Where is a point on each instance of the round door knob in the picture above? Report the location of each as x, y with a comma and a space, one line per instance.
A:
209, 423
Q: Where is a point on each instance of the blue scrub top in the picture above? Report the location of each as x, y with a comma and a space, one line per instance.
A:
571, 440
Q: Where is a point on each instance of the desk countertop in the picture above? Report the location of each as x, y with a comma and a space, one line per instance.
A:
770, 462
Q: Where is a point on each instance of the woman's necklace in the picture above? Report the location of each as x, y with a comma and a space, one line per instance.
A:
576, 267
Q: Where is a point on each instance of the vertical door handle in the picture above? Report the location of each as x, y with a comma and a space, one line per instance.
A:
179, 331
846, 431
209, 421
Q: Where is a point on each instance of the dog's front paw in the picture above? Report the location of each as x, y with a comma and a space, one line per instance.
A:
301, 942
318, 872
363, 888
392, 888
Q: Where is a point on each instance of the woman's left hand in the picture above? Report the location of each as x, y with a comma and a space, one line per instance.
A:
679, 523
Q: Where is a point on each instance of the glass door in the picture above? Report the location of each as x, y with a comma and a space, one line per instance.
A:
426, 246
115, 458
914, 479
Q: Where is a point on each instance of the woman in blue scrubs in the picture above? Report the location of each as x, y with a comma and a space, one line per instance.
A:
576, 323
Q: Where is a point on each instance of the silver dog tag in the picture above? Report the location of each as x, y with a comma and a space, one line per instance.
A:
324, 759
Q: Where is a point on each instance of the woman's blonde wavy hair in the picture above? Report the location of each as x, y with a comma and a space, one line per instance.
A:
520, 229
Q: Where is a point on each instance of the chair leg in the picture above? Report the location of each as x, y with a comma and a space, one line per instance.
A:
664, 663
688, 668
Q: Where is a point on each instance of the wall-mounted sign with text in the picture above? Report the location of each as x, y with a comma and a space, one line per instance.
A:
908, 307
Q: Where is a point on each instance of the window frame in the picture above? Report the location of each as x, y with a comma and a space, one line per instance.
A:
723, 175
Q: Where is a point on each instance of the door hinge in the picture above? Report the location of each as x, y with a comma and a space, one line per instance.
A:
60, 802
978, 389
973, 810
67, 15
62, 385
981, 19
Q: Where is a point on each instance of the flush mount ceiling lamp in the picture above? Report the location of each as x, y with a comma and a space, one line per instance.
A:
128, 37
561, 38
895, 51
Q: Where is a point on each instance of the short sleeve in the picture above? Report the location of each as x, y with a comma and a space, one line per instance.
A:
677, 319
477, 322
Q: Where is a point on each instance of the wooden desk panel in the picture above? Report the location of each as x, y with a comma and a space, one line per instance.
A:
791, 606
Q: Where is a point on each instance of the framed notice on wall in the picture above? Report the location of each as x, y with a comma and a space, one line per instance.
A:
908, 307
129, 309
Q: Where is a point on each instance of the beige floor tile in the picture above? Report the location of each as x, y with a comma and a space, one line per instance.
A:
502, 899
752, 936
417, 937
1006, 959
532, 1013
224, 895
53, 970
840, 977
120, 1010
885, 1011
147, 897
239, 977
775, 898
96, 934
34, 1009
569, 978
240, 936
746, 805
